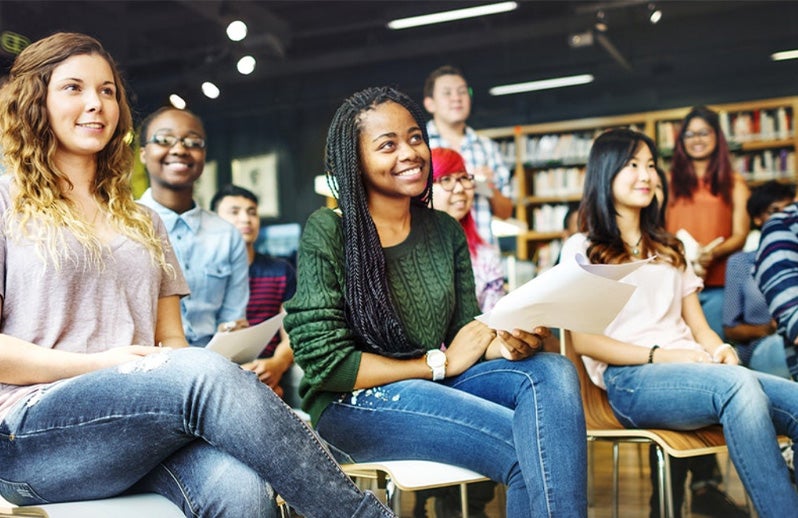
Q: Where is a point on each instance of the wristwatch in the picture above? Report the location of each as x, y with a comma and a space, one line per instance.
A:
436, 360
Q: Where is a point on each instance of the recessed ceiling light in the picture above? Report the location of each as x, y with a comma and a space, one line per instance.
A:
246, 65
448, 16
210, 90
177, 101
237, 30
543, 84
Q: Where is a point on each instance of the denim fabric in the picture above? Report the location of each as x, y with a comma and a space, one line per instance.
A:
711, 299
187, 424
769, 356
519, 423
753, 408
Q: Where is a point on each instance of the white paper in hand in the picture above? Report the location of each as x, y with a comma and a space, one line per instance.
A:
574, 295
246, 344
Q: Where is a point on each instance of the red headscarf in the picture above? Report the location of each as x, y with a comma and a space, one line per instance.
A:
447, 161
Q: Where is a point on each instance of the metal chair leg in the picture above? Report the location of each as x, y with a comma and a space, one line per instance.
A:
464, 500
615, 481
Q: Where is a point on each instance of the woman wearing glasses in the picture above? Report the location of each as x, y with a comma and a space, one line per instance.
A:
707, 199
382, 323
210, 251
453, 193
90, 407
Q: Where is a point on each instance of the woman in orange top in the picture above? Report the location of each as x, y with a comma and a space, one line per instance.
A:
707, 199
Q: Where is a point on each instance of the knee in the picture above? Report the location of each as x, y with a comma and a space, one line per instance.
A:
233, 489
745, 391
558, 371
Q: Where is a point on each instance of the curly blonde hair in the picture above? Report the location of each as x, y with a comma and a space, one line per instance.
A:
29, 146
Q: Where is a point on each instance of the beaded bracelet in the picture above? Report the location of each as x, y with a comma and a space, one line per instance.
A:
651, 353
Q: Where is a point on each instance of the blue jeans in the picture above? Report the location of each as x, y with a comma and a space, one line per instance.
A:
518, 422
753, 408
769, 356
187, 424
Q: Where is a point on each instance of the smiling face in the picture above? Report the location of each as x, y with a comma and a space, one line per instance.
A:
450, 102
394, 159
243, 214
174, 167
700, 139
81, 105
457, 202
633, 187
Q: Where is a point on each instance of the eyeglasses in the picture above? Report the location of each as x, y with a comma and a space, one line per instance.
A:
170, 140
704, 133
447, 183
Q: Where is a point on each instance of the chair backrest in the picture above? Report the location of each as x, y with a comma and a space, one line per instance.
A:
598, 413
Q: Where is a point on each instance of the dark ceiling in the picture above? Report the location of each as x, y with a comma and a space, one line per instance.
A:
313, 53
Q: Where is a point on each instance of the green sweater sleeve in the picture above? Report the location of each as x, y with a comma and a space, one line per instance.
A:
323, 343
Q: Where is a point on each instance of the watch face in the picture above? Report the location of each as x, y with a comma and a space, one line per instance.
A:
436, 358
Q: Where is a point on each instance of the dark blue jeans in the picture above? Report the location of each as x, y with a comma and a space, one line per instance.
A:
518, 422
187, 424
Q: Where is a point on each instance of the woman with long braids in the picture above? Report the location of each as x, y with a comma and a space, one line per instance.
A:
659, 361
90, 405
383, 325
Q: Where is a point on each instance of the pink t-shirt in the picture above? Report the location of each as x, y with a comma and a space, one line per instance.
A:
653, 314
81, 307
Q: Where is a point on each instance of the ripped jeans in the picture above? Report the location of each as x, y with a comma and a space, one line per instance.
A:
187, 424
517, 422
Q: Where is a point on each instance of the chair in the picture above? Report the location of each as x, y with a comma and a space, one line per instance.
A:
602, 425
414, 475
132, 506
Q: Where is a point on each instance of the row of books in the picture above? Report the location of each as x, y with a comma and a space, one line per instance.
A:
547, 255
773, 124
766, 164
565, 148
558, 181
549, 218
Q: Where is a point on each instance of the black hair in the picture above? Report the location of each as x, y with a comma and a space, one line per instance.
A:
767, 193
597, 213
369, 307
232, 190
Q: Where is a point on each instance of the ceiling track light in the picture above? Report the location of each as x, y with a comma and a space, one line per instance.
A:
654, 14
210, 90
601, 22
784, 55
177, 101
448, 16
246, 65
543, 84
237, 30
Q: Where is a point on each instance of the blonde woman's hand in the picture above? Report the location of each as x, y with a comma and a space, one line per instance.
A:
725, 354
119, 355
518, 344
468, 346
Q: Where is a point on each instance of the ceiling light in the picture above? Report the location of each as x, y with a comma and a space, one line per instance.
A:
246, 65
448, 16
237, 30
543, 84
177, 101
654, 14
784, 55
210, 90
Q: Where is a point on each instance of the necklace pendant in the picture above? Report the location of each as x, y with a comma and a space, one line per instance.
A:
635, 251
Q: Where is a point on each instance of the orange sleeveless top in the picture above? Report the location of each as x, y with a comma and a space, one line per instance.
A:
705, 217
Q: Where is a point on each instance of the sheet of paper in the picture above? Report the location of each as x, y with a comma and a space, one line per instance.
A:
246, 344
575, 295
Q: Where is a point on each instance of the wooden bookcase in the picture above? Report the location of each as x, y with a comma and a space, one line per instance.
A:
548, 159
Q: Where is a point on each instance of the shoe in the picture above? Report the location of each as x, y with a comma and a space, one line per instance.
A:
711, 501
787, 453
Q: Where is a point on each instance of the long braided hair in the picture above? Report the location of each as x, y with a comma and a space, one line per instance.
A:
369, 307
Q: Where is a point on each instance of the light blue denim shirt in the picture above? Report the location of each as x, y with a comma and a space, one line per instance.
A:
213, 258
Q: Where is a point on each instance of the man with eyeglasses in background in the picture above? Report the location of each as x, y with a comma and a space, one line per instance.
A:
211, 251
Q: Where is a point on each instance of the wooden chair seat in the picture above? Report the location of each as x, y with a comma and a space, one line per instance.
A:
132, 506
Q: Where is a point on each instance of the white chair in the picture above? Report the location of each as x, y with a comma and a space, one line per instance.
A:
414, 475
132, 506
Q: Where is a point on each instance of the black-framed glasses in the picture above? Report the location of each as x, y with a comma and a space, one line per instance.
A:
171, 140
704, 133
448, 182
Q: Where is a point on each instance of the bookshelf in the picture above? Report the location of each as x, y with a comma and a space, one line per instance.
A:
549, 159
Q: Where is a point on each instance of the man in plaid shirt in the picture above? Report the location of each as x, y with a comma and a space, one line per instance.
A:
447, 98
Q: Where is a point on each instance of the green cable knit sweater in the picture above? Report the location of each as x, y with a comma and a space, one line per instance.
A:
431, 283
